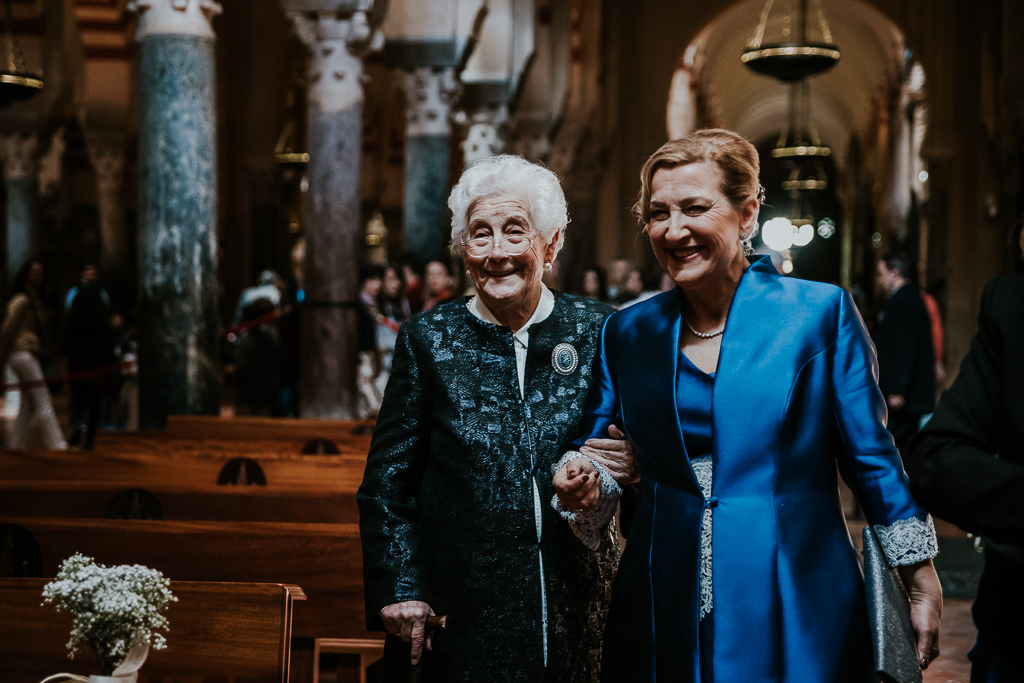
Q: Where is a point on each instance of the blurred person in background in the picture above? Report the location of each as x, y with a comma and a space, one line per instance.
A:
906, 359
593, 284
268, 286
23, 342
617, 273
89, 345
439, 283
631, 287
938, 334
257, 351
648, 283
286, 403
966, 465
371, 283
124, 413
393, 310
412, 270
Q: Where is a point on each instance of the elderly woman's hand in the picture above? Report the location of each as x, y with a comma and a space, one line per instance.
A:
408, 621
615, 455
578, 485
922, 584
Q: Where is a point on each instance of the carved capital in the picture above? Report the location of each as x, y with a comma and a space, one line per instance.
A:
175, 17
107, 155
428, 97
338, 46
486, 135
20, 152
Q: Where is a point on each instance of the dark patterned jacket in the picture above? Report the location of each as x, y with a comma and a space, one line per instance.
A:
447, 511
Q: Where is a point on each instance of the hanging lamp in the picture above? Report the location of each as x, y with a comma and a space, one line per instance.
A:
790, 57
16, 84
800, 146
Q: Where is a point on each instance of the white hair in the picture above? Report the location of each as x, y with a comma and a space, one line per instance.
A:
505, 176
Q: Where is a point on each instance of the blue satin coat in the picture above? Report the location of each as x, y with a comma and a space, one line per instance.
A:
795, 394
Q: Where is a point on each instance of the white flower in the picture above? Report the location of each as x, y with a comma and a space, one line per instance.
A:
114, 608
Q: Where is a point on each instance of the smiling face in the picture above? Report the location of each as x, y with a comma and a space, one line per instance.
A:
694, 230
505, 282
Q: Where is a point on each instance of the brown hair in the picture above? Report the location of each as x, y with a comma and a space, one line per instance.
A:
736, 158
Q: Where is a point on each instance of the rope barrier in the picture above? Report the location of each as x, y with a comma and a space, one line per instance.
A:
71, 376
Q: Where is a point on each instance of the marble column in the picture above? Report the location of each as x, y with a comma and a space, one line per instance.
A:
332, 229
428, 95
106, 153
20, 168
178, 352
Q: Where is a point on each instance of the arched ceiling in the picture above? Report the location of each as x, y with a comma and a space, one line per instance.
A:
842, 99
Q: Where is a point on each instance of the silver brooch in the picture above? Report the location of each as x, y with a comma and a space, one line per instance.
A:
564, 359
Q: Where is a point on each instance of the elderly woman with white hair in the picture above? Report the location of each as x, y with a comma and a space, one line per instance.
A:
484, 394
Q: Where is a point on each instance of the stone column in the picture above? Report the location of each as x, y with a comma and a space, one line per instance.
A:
20, 168
332, 230
106, 152
428, 95
178, 359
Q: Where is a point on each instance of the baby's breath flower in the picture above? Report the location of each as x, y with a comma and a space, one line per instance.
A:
114, 608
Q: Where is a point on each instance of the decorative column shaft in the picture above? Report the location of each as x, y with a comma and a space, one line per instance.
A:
428, 95
106, 152
332, 230
178, 357
20, 168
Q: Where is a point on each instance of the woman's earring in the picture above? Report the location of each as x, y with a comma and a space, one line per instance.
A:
547, 265
748, 244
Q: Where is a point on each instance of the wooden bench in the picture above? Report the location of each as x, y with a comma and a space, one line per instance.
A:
267, 428
219, 631
183, 501
145, 441
147, 469
325, 559
365, 651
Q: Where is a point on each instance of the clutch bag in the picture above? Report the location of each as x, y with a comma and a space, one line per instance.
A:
893, 642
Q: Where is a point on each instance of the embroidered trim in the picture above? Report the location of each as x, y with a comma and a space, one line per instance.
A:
703, 468
908, 541
588, 526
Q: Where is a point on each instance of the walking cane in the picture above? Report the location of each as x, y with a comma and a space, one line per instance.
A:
433, 622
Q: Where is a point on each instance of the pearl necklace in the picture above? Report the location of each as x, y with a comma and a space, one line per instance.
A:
702, 335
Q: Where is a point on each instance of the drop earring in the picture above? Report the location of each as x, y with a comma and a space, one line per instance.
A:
547, 265
748, 245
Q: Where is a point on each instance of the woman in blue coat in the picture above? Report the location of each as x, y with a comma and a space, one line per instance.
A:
741, 391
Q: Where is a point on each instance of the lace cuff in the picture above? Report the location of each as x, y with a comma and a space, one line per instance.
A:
588, 525
908, 541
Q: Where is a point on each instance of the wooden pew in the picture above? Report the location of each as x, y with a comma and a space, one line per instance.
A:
325, 559
148, 469
267, 428
220, 631
182, 501
141, 444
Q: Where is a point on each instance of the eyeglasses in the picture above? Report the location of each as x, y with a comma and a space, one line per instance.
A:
513, 245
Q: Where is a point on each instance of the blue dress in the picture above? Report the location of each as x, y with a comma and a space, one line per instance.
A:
694, 394
795, 399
